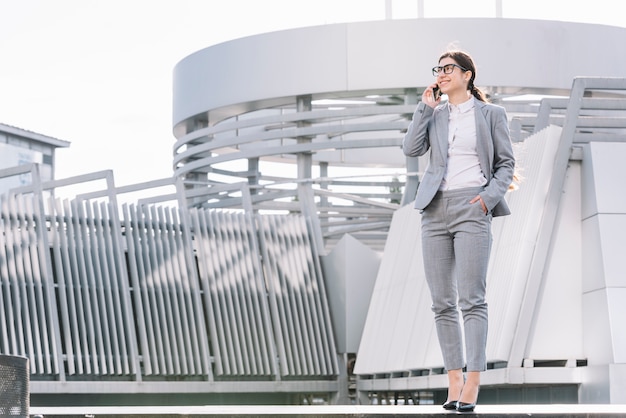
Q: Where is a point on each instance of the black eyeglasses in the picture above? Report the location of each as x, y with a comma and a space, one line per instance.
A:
446, 69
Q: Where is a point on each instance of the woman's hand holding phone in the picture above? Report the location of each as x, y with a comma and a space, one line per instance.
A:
432, 95
436, 93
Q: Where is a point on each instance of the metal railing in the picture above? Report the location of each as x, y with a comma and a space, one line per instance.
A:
134, 292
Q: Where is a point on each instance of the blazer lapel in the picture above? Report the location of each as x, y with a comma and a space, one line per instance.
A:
441, 124
484, 142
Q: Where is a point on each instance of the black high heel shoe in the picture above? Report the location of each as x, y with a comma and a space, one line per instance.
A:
450, 405
465, 407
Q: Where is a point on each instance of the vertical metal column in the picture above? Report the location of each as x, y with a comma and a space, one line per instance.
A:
305, 189
304, 159
253, 174
323, 183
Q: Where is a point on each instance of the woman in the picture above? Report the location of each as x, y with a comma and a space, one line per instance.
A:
470, 168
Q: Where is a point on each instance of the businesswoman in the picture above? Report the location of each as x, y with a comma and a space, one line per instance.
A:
471, 166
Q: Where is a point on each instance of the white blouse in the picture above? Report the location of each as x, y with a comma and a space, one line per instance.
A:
463, 169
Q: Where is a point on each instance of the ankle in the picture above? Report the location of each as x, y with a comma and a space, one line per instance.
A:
455, 384
469, 394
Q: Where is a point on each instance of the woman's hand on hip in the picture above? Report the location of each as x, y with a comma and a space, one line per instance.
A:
482, 203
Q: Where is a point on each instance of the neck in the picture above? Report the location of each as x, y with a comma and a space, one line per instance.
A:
459, 97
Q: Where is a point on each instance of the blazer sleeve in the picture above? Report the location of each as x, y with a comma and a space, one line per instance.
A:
503, 164
416, 142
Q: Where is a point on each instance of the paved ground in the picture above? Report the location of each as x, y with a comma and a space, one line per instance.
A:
340, 411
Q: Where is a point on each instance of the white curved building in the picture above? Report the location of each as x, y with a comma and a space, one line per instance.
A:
335, 100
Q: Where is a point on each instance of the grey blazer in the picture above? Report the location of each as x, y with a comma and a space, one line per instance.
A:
429, 130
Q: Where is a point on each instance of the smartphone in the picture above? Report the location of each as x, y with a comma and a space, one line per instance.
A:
436, 93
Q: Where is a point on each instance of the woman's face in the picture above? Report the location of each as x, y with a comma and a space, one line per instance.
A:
457, 80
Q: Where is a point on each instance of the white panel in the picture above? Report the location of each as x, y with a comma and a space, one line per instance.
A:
617, 314
335, 267
603, 178
515, 241
597, 329
617, 383
596, 385
557, 328
350, 273
604, 262
593, 265
612, 228
360, 285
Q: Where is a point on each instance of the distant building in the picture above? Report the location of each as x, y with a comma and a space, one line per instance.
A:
19, 146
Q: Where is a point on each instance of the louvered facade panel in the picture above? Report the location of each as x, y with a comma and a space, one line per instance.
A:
26, 292
94, 309
234, 293
160, 292
171, 333
297, 297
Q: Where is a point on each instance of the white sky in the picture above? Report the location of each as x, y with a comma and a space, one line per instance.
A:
98, 73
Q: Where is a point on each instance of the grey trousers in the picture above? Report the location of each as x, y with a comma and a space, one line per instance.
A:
456, 243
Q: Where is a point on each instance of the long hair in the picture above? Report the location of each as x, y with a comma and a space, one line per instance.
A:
464, 60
